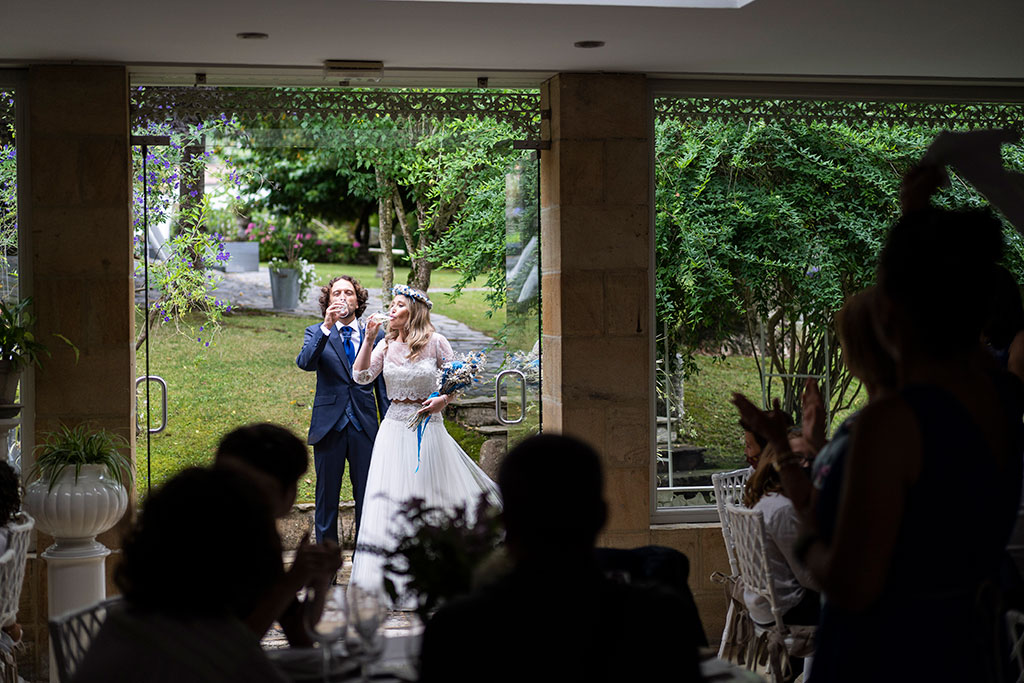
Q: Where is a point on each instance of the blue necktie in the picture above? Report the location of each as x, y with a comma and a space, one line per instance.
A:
346, 342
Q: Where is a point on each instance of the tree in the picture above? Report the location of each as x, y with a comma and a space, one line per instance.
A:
764, 229
424, 175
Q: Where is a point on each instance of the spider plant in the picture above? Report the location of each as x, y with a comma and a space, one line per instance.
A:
81, 445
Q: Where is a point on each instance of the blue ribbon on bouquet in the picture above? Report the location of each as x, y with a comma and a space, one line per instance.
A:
420, 428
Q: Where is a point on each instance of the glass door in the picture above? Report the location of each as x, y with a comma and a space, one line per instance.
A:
517, 386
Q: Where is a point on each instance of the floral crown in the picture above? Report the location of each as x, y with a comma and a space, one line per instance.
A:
406, 290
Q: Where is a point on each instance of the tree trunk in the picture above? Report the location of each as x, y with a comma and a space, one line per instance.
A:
387, 275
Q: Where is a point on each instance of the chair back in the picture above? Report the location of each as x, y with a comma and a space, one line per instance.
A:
12, 566
729, 489
72, 633
1015, 629
750, 538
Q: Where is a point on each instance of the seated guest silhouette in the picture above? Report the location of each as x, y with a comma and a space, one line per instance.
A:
555, 617
189, 586
274, 459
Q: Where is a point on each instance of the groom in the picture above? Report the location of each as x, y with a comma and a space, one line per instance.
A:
345, 414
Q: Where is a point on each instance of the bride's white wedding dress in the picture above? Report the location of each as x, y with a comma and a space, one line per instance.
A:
447, 477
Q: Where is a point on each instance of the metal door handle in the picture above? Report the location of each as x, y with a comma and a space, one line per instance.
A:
163, 402
497, 396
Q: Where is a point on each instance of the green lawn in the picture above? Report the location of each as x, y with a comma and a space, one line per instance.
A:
712, 418
249, 374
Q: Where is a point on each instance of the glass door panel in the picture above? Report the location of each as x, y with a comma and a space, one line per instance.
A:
517, 387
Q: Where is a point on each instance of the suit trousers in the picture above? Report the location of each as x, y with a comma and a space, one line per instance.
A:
329, 456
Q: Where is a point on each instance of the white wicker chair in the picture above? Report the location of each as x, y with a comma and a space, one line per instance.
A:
12, 567
72, 633
1015, 629
729, 489
773, 644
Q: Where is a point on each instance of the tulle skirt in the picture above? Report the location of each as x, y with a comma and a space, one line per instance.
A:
447, 477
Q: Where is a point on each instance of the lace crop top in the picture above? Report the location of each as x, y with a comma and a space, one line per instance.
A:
405, 379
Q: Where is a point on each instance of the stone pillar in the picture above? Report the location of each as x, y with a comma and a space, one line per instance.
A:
596, 282
81, 271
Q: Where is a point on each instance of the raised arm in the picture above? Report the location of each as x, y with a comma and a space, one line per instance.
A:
368, 363
312, 347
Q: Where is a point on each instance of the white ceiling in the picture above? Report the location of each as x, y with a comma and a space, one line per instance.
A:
873, 38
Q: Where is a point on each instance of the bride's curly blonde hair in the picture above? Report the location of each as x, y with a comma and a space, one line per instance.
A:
419, 328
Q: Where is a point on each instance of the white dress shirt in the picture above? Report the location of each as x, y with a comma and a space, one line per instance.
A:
356, 337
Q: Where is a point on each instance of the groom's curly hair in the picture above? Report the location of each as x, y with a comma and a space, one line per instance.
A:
361, 295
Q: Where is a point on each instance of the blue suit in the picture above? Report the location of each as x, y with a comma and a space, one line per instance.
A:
343, 425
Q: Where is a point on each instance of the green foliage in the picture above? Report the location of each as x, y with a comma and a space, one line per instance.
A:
81, 445
443, 181
17, 343
765, 229
183, 275
185, 278
439, 550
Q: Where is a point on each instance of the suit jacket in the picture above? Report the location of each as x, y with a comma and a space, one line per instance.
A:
335, 388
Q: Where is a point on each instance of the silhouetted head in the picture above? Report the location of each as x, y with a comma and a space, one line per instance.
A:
936, 272
272, 454
552, 491
863, 352
205, 545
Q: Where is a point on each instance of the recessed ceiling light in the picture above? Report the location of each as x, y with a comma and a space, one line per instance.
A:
588, 43
252, 35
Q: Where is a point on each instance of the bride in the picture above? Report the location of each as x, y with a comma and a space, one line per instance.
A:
403, 466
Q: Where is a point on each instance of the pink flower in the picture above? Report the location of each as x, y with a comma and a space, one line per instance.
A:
250, 226
319, 243
356, 245
328, 250
271, 229
309, 235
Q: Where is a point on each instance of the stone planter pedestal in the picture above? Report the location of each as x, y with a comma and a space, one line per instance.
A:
74, 513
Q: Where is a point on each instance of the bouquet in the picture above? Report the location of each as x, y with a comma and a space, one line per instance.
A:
528, 364
454, 376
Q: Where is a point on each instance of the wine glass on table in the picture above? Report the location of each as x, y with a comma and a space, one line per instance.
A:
328, 625
366, 616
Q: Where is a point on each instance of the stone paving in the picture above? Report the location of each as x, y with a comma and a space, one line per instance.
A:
252, 290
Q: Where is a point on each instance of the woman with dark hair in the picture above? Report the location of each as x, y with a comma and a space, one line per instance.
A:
796, 591
906, 570
189, 587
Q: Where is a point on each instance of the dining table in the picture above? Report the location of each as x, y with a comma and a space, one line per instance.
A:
397, 663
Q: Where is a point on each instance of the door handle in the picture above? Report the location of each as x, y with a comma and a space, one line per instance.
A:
163, 402
497, 396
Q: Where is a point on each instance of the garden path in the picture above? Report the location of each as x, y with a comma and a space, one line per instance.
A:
252, 290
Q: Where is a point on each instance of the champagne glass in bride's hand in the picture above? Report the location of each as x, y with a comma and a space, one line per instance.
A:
328, 626
366, 615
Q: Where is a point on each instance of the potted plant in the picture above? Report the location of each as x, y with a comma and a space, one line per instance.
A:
78, 488
18, 346
290, 275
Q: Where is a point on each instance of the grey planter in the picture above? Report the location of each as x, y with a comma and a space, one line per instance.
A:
284, 288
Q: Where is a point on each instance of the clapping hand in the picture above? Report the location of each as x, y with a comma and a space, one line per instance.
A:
771, 424
813, 416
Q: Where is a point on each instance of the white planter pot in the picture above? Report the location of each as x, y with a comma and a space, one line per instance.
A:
75, 512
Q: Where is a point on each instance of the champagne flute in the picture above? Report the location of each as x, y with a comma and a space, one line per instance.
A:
328, 626
367, 612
